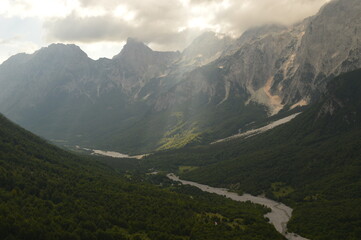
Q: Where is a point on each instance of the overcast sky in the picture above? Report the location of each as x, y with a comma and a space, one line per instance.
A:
100, 27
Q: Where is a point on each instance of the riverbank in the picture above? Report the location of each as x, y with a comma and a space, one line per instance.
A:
280, 213
112, 154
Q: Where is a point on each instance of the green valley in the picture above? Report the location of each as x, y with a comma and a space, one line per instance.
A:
312, 163
47, 193
180, 120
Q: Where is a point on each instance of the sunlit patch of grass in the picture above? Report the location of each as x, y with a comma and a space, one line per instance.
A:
179, 134
180, 139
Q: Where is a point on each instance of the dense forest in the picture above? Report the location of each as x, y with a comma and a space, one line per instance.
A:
48, 193
312, 163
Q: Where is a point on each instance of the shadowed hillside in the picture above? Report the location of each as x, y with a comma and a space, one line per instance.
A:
46, 193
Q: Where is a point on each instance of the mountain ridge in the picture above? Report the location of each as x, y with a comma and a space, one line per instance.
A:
268, 70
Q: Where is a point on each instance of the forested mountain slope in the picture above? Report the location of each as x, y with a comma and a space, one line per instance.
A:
47, 193
313, 163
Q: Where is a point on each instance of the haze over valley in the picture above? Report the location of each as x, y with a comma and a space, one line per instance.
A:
149, 112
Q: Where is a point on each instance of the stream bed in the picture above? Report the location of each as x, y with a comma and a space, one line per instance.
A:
280, 213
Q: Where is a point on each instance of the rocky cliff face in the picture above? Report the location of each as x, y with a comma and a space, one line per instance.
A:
136, 64
270, 68
27, 79
342, 102
285, 67
246, 68
205, 49
329, 46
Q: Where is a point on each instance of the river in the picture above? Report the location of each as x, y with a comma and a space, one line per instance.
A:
112, 154
280, 213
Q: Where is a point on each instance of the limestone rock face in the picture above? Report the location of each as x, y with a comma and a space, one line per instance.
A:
58, 92
205, 49
290, 66
136, 64
329, 46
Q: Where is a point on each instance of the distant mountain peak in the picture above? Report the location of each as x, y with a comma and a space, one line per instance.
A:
206, 48
56, 52
207, 35
16, 59
62, 50
132, 48
62, 47
131, 40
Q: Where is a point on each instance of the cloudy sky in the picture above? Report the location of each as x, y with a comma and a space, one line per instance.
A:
100, 27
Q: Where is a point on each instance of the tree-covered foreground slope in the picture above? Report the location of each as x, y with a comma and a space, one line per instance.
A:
46, 193
313, 163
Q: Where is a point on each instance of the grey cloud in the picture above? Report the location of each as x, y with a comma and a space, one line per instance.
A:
204, 1
157, 22
75, 29
239, 17
104, 3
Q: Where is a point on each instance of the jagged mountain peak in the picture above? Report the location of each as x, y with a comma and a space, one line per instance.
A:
134, 41
208, 36
15, 59
61, 50
133, 48
138, 63
251, 35
330, 45
262, 30
62, 46
57, 52
206, 48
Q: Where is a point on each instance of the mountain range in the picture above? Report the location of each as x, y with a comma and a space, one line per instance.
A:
143, 100
176, 105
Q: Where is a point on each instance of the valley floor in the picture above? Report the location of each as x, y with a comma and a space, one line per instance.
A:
280, 213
